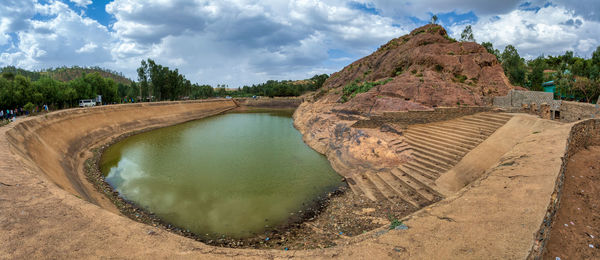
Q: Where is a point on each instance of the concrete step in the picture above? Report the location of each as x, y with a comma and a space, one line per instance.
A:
438, 156
443, 136
430, 162
486, 119
382, 188
435, 144
367, 188
445, 152
423, 170
471, 131
434, 131
461, 134
440, 140
404, 181
488, 125
497, 116
415, 175
394, 192
474, 127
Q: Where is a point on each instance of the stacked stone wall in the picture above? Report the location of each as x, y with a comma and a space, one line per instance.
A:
575, 111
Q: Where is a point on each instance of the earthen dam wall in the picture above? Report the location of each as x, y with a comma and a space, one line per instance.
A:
59, 143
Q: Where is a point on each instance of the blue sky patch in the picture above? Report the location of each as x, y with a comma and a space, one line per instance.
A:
365, 7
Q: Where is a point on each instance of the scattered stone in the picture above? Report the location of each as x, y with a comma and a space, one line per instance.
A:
401, 227
151, 232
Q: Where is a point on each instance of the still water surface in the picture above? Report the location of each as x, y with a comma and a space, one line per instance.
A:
235, 174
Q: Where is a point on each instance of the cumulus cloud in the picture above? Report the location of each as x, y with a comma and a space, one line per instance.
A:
62, 38
240, 42
82, 3
549, 30
243, 42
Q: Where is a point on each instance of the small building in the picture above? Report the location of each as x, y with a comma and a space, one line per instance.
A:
549, 86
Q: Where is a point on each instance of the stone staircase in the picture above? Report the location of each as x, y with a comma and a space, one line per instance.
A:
435, 148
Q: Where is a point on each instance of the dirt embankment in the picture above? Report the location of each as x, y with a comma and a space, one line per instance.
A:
59, 143
264, 102
576, 230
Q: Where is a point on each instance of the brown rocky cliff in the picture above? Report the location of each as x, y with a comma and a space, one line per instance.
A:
426, 69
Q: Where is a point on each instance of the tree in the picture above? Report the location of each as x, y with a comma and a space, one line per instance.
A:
586, 88
434, 19
467, 35
490, 49
143, 80
536, 77
513, 65
596, 57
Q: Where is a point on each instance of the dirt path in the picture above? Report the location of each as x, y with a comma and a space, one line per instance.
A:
576, 230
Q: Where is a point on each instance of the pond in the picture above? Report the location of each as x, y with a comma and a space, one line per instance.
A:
236, 174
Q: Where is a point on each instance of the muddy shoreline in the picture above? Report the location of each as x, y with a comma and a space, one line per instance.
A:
325, 222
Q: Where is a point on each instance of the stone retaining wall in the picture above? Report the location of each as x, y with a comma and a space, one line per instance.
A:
262, 102
516, 98
575, 111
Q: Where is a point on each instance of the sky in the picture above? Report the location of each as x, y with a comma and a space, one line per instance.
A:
243, 42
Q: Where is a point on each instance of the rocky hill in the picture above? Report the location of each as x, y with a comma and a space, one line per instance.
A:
420, 70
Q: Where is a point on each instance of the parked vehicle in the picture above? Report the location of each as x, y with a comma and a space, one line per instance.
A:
87, 103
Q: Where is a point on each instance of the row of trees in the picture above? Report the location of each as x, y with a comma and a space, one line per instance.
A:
159, 83
284, 88
16, 91
21, 88
575, 77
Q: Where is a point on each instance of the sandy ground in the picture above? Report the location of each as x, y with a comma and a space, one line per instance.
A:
44, 215
577, 224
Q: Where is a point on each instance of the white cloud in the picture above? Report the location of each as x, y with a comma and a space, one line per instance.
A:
64, 38
88, 48
244, 42
551, 30
247, 41
82, 3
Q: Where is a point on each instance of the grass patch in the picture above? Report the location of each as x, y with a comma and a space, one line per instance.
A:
460, 78
438, 67
320, 94
434, 29
398, 71
419, 32
449, 38
351, 90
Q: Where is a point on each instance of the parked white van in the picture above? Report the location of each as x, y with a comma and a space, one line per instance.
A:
87, 103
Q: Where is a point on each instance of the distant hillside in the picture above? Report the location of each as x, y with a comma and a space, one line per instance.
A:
66, 74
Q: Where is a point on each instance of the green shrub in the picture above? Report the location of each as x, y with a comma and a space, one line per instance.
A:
460, 78
29, 107
351, 90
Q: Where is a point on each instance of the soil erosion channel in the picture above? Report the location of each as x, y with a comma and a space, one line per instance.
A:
237, 174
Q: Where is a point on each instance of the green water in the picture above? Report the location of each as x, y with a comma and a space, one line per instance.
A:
236, 174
